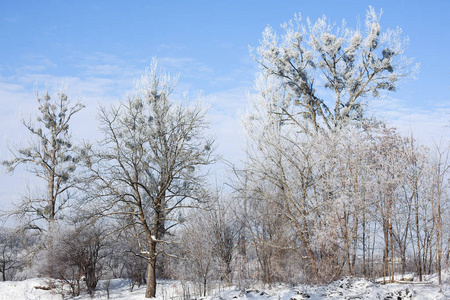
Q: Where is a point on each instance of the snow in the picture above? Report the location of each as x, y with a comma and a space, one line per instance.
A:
345, 288
26, 290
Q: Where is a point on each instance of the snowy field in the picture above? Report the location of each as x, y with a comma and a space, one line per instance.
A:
346, 288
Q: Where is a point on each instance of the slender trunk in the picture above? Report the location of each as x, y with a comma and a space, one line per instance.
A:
374, 234
386, 251
50, 264
364, 245
204, 285
419, 256
438, 221
51, 181
391, 235
347, 243
439, 243
355, 243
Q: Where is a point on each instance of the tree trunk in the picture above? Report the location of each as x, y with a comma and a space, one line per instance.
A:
91, 279
364, 244
386, 251
204, 285
391, 236
419, 257
150, 292
50, 269
439, 244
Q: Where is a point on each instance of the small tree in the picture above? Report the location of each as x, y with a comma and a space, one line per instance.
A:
198, 261
147, 168
10, 260
78, 252
208, 243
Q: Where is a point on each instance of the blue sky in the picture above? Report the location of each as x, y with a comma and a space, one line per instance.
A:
99, 47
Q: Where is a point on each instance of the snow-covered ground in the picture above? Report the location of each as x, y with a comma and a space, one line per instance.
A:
346, 288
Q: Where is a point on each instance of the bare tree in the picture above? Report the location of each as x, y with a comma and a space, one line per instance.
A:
148, 165
197, 255
78, 252
220, 218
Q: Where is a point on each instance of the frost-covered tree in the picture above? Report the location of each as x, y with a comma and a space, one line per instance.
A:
148, 167
49, 156
326, 70
307, 158
279, 172
388, 167
198, 260
359, 189
207, 247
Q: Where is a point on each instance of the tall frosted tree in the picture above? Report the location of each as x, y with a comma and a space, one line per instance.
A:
49, 156
327, 70
147, 169
303, 126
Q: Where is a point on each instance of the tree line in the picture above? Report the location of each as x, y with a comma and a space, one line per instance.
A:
324, 191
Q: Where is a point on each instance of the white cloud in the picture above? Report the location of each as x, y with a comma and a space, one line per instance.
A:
171, 47
40, 64
187, 67
225, 123
105, 69
426, 123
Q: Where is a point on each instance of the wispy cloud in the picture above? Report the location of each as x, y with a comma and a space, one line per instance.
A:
186, 66
39, 63
225, 123
171, 47
426, 123
102, 70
